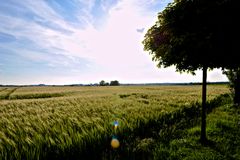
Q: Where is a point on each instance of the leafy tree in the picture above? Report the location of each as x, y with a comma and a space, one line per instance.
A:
114, 83
196, 34
234, 79
103, 83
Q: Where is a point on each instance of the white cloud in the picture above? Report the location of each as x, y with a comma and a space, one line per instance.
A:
115, 49
118, 43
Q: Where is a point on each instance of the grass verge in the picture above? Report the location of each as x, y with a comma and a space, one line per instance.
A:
223, 128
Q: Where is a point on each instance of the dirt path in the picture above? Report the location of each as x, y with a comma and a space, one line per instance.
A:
7, 95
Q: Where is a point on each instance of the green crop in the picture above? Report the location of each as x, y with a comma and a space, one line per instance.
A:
71, 122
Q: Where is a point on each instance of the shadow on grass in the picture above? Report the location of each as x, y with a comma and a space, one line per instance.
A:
223, 128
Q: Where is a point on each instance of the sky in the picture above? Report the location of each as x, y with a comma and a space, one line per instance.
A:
82, 41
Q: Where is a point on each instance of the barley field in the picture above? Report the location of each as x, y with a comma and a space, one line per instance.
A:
75, 122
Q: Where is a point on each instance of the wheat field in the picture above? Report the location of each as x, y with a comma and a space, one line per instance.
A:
64, 122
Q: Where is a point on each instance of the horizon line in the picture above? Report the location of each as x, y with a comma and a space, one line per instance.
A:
121, 84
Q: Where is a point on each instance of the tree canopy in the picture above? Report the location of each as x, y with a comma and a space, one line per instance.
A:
191, 34
234, 83
114, 83
103, 83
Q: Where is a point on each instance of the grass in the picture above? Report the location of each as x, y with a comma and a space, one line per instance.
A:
78, 123
222, 133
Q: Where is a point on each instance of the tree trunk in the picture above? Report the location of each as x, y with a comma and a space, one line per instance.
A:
203, 138
237, 88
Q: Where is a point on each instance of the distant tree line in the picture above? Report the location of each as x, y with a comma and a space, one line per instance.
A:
112, 83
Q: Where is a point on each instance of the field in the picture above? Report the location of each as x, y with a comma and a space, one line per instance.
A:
74, 122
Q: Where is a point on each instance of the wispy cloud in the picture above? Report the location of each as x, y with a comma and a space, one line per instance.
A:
5, 38
82, 41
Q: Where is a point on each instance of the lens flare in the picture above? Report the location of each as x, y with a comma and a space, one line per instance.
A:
115, 143
115, 125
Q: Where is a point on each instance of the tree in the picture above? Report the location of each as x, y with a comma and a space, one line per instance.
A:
103, 83
114, 83
234, 83
196, 34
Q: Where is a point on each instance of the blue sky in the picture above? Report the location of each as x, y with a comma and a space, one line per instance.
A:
81, 41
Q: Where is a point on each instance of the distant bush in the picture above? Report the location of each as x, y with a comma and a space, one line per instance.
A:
103, 83
114, 83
